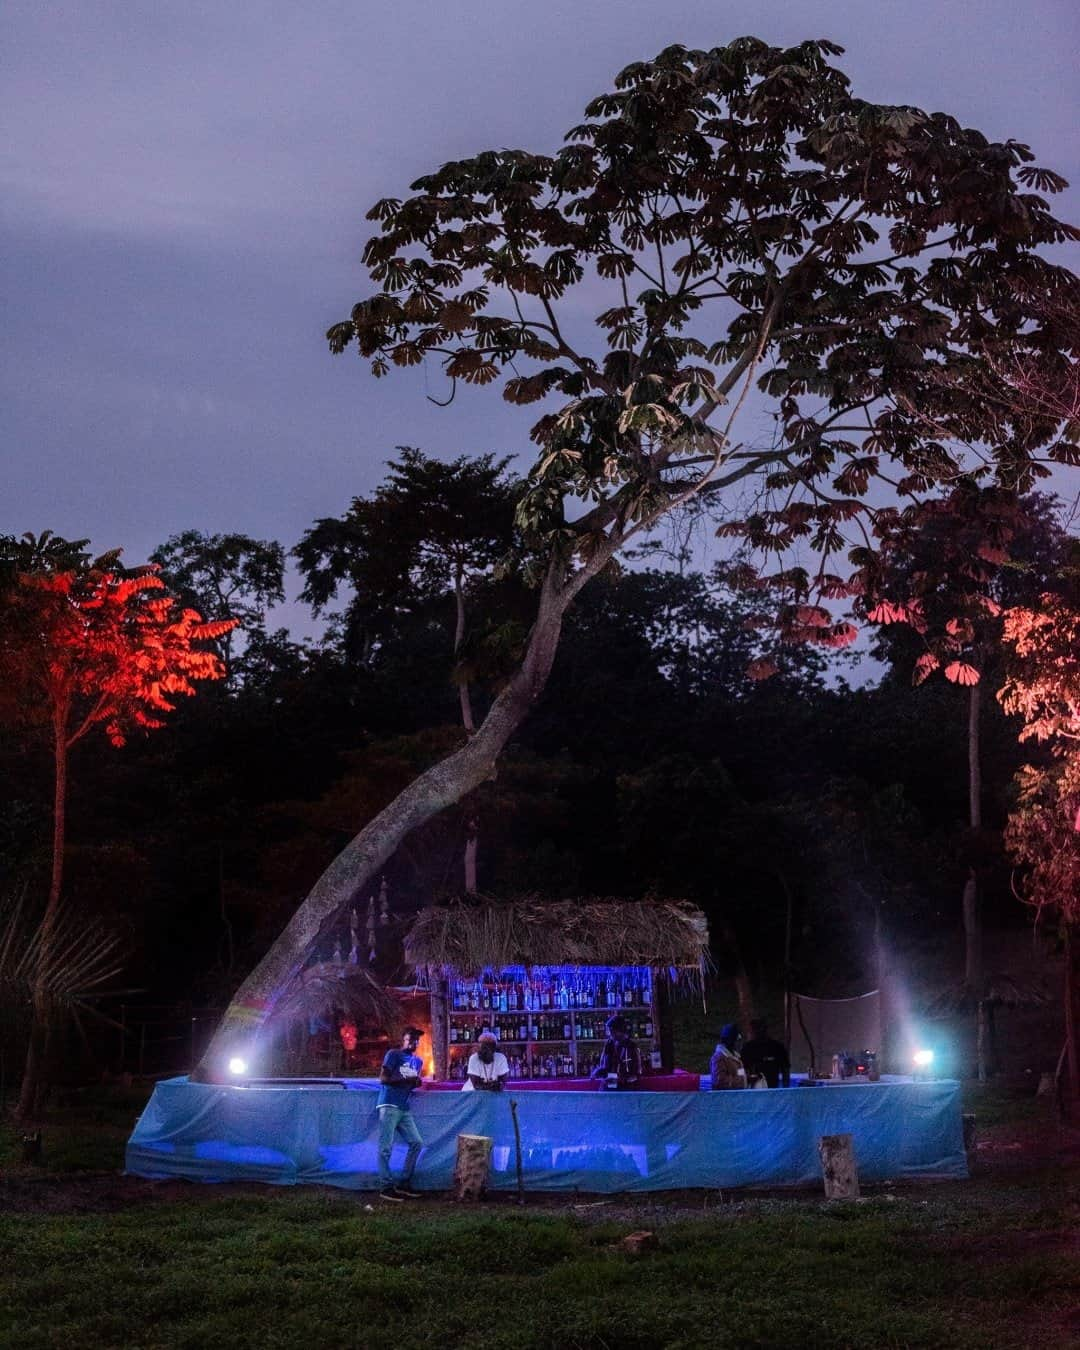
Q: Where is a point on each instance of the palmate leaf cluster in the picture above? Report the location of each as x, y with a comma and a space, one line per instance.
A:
952, 569
723, 214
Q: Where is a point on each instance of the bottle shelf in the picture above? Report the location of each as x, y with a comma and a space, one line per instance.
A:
573, 1001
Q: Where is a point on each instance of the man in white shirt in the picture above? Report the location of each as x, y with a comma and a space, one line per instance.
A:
487, 1069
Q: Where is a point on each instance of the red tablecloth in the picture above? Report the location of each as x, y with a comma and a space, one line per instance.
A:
678, 1081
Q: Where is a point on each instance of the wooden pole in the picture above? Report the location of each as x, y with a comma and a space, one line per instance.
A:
662, 1014
440, 1027
517, 1151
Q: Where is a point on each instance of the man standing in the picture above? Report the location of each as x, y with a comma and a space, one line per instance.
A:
399, 1078
762, 1055
620, 1061
488, 1067
726, 1067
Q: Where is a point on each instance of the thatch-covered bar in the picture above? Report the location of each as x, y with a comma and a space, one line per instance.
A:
546, 974
666, 1134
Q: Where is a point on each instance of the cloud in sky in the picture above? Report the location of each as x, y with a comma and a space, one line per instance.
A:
183, 189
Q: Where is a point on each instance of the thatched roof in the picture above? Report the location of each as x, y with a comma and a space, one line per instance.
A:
469, 934
329, 988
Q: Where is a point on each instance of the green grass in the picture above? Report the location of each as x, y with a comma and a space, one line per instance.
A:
310, 1268
122, 1263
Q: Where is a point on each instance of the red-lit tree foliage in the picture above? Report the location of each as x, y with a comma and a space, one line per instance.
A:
1043, 832
87, 644
730, 218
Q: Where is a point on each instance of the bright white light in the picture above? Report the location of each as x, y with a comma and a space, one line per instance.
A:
923, 1058
237, 1065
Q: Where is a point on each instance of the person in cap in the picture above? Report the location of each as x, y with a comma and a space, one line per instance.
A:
763, 1056
488, 1068
726, 1067
399, 1078
620, 1058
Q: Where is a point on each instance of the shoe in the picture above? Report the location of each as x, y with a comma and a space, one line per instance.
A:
405, 1191
390, 1193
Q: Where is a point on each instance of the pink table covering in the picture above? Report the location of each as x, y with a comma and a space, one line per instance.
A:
678, 1081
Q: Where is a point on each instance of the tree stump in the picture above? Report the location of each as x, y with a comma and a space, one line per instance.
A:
472, 1165
838, 1167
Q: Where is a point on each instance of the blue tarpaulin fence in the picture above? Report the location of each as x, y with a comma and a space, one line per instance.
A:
589, 1141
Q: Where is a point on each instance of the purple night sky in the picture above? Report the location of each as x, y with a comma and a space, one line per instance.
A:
183, 192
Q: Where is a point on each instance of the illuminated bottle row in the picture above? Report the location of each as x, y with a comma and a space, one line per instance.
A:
578, 1026
553, 989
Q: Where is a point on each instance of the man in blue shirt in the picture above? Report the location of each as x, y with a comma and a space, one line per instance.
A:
398, 1079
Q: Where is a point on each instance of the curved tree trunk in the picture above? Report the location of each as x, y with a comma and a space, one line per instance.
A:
361, 860
973, 960
472, 825
974, 980
1071, 1087
743, 989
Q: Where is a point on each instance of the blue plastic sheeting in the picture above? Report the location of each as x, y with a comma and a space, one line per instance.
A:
591, 1141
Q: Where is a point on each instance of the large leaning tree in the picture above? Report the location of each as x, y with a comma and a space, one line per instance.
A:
723, 226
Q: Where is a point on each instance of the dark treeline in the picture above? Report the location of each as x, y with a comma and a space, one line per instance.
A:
812, 815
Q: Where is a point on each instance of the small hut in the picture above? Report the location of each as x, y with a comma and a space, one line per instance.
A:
545, 975
338, 1018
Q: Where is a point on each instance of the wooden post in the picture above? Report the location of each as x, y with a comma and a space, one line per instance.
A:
472, 1165
440, 1027
517, 1150
662, 1017
838, 1167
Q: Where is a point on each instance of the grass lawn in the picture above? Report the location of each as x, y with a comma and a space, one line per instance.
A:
92, 1259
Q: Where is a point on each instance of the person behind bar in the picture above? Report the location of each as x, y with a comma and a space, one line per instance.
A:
488, 1067
620, 1058
726, 1067
398, 1079
762, 1055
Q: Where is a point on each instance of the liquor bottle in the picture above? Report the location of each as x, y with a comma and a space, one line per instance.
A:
566, 1030
601, 993
474, 997
612, 993
628, 991
564, 995
648, 1027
